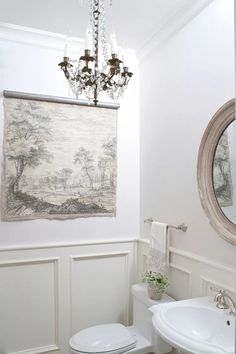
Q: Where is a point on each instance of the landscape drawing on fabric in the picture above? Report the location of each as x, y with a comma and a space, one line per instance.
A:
59, 160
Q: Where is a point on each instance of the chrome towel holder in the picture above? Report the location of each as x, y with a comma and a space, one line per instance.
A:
182, 227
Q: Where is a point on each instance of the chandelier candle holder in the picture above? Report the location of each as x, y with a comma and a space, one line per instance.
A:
91, 74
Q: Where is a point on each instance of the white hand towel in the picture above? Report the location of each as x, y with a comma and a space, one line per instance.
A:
159, 247
159, 236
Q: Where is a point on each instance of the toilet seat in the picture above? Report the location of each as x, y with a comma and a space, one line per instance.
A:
111, 338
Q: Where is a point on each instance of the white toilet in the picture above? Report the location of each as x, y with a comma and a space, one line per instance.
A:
115, 338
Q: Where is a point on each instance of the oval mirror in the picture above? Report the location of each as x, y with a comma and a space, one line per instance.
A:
216, 172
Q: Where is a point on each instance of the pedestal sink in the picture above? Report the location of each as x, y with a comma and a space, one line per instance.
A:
195, 326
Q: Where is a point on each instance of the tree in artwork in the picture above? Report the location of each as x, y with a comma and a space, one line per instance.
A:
85, 159
26, 138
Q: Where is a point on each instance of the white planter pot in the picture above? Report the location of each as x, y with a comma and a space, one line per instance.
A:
154, 292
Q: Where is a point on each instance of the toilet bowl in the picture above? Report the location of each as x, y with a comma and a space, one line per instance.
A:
114, 338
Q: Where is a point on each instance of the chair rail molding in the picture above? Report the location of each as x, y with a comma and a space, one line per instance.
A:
69, 244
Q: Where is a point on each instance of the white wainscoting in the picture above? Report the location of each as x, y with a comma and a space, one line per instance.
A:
47, 293
191, 275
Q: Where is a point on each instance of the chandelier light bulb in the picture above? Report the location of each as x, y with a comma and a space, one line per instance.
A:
113, 44
66, 49
89, 40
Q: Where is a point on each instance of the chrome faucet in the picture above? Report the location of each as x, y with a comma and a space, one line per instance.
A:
224, 301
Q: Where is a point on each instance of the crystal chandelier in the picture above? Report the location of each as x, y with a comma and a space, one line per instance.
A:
94, 71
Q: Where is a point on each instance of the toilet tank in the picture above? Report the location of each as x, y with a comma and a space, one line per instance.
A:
142, 316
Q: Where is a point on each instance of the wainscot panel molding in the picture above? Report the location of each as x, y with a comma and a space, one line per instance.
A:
29, 305
50, 292
99, 275
191, 275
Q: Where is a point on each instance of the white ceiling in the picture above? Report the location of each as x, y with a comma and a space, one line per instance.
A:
134, 21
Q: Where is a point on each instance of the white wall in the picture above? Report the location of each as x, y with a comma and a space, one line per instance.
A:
182, 85
28, 63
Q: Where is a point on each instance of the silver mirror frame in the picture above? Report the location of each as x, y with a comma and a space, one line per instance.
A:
222, 118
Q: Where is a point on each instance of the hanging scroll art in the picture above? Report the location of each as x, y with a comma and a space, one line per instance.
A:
59, 158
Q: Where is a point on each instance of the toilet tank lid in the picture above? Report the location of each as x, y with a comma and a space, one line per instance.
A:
140, 292
102, 339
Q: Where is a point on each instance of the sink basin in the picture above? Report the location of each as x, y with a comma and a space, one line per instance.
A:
195, 326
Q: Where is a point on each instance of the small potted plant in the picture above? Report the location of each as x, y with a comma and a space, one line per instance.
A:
156, 284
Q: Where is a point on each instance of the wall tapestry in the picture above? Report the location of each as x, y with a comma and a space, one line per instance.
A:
59, 160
